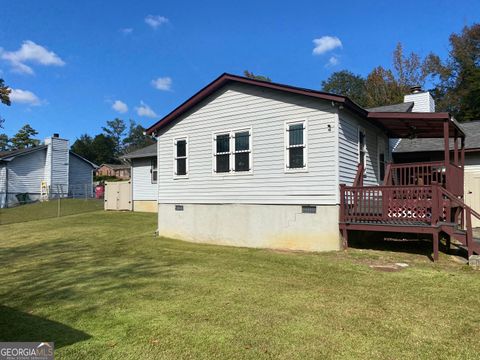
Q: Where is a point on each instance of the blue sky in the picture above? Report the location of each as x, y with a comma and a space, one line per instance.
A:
74, 65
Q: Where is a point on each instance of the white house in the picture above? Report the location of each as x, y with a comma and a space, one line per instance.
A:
144, 178
63, 172
259, 164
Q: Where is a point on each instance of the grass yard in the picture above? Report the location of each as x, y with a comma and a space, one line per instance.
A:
48, 209
102, 286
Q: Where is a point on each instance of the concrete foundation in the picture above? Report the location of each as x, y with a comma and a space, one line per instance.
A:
145, 206
259, 226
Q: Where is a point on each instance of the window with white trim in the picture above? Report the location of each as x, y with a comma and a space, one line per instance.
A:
180, 150
296, 145
362, 146
153, 170
233, 152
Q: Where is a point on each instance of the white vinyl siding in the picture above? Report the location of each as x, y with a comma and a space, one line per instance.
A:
3, 189
348, 134
25, 174
239, 106
142, 186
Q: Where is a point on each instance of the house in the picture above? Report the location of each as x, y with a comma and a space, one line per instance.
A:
143, 164
120, 171
63, 172
251, 163
431, 150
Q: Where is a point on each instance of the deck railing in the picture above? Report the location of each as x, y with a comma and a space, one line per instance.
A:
389, 204
420, 174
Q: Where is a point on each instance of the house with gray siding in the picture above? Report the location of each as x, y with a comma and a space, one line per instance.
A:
258, 164
143, 178
62, 172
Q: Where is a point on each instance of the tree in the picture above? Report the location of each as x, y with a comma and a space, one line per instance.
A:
136, 138
346, 83
457, 87
4, 93
251, 75
381, 88
4, 98
104, 149
4, 142
115, 130
83, 147
24, 138
409, 70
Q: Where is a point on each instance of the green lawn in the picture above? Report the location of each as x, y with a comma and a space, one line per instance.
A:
48, 209
102, 286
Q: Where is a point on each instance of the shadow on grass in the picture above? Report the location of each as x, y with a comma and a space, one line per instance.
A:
19, 326
386, 242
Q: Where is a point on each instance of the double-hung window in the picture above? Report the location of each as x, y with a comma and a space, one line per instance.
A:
296, 146
232, 152
153, 170
180, 150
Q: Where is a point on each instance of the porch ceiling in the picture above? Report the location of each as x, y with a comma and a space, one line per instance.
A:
415, 125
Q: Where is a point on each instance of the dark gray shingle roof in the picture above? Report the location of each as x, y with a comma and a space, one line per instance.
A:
402, 107
472, 140
147, 151
7, 155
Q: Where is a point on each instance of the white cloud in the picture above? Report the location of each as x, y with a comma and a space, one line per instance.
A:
326, 44
333, 61
120, 106
126, 31
162, 83
145, 110
156, 20
32, 53
24, 97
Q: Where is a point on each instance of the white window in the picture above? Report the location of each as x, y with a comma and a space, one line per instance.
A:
180, 157
153, 170
362, 146
232, 152
296, 146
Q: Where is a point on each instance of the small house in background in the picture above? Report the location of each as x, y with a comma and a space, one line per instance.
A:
50, 168
144, 178
120, 171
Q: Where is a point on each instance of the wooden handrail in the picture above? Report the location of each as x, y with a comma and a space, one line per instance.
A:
359, 176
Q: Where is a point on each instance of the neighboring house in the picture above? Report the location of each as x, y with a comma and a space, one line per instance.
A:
414, 150
63, 172
120, 171
144, 178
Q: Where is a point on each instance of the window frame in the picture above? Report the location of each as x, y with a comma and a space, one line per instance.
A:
381, 149
359, 151
175, 158
232, 152
152, 160
287, 146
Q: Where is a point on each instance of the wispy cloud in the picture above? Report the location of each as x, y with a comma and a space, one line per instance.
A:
326, 44
126, 31
20, 96
30, 52
162, 83
156, 21
145, 110
333, 61
120, 106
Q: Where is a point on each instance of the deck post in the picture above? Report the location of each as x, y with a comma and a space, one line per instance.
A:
446, 137
345, 238
455, 148
435, 246
462, 158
